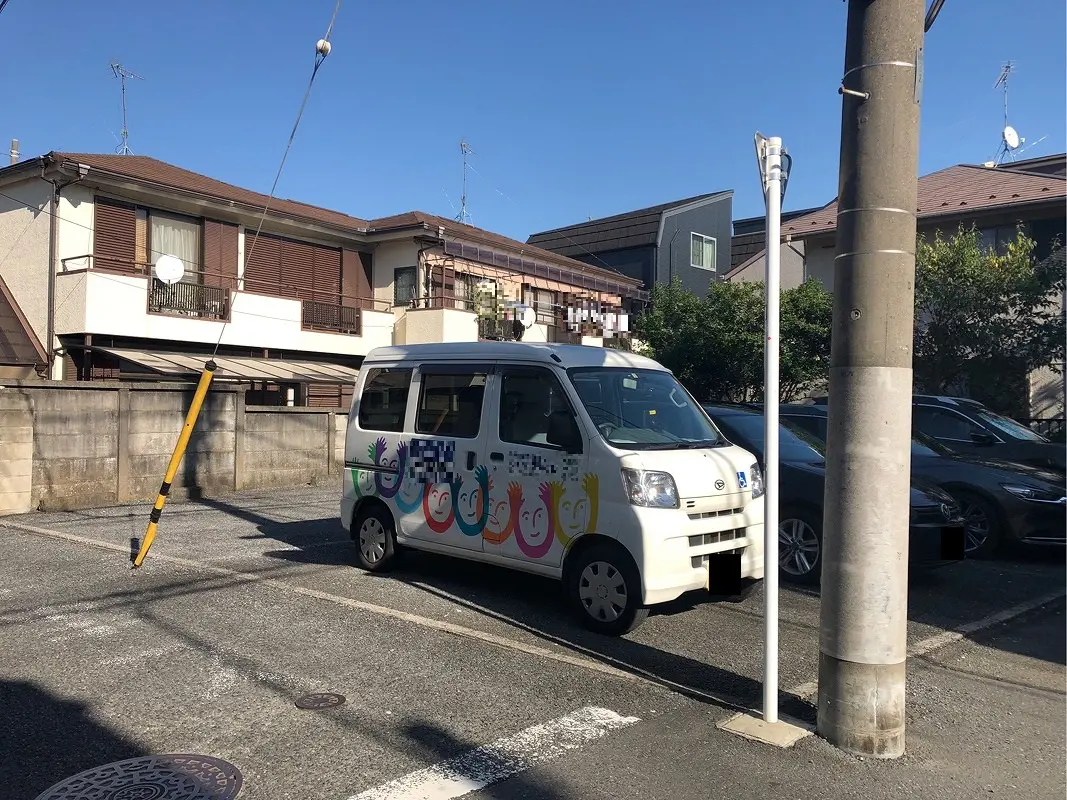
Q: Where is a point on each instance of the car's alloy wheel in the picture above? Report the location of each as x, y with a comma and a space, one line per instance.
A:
799, 548
981, 525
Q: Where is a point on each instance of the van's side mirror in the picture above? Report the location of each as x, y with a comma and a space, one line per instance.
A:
563, 432
982, 438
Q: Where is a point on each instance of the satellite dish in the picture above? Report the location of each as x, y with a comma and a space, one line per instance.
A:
527, 316
169, 269
1011, 137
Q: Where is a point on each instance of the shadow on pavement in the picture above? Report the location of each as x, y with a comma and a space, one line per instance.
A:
940, 598
44, 740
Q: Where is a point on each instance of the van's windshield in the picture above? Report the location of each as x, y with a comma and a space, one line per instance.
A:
643, 409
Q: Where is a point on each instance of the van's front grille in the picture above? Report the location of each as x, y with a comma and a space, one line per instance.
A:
699, 561
710, 514
704, 539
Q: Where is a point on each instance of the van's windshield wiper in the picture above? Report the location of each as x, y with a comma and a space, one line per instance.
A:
684, 445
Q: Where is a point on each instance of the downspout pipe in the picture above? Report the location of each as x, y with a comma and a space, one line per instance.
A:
53, 225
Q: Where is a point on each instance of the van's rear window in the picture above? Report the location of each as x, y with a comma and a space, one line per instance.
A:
384, 400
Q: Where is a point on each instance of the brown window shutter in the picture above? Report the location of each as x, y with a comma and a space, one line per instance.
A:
297, 269
228, 258
220, 254
262, 263
327, 274
355, 279
114, 235
324, 395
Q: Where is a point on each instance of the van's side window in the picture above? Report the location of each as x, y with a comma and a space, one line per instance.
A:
451, 404
384, 400
532, 401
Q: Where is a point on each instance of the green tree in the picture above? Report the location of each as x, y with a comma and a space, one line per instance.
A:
984, 320
714, 344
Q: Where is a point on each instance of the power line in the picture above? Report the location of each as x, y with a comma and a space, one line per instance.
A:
322, 49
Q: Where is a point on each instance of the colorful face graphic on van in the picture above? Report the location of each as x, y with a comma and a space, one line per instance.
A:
422, 479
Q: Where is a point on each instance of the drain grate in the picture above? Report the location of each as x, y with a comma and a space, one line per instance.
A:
168, 777
320, 700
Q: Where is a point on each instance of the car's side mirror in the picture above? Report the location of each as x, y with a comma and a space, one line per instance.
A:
984, 439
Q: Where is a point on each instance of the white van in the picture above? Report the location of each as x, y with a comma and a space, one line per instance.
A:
585, 464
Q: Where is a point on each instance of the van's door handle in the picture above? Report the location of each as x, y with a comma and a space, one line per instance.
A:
496, 456
471, 460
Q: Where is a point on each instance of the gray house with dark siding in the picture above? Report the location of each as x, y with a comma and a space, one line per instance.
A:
687, 239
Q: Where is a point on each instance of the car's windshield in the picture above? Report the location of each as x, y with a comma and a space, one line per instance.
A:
1012, 428
794, 443
643, 409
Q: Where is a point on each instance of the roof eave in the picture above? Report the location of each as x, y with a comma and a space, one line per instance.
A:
1027, 205
111, 179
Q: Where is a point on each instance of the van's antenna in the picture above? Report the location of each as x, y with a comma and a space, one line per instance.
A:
122, 74
463, 216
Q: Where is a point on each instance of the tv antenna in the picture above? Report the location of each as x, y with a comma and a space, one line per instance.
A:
122, 74
463, 216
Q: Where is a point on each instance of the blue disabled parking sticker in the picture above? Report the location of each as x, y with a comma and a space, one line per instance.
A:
742, 481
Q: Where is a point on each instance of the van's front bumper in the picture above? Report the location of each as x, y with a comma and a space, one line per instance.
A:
680, 544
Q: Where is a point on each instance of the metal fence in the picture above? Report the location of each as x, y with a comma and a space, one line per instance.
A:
1053, 428
188, 299
316, 315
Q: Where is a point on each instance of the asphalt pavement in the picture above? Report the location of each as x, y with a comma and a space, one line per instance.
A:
460, 677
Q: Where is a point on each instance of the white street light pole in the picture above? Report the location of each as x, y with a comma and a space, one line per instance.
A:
769, 153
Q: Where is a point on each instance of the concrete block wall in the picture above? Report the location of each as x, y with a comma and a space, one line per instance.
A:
16, 454
286, 448
155, 422
66, 446
75, 449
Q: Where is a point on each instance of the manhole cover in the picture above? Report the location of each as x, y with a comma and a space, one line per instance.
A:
320, 700
170, 777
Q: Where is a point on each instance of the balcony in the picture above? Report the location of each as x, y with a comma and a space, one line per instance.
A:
316, 315
189, 300
126, 301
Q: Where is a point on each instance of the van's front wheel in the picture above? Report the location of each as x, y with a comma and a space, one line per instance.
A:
605, 590
375, 539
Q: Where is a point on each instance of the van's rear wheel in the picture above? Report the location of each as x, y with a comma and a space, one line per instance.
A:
605, 590
375, 537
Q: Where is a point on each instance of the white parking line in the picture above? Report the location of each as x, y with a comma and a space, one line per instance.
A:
948, 637
503, 758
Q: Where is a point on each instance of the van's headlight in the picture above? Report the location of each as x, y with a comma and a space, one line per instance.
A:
650, 489
757, 481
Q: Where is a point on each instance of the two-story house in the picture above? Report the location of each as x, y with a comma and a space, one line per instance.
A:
687, 239
289, 300
997, 200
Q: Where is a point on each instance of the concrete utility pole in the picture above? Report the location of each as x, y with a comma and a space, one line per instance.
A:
863, 641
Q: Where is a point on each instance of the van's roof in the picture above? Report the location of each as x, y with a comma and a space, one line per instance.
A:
566, 355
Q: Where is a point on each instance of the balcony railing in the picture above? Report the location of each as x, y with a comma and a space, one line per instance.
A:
319, 316
189, 300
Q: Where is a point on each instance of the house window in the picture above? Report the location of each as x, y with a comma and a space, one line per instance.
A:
997, 239
404, 286
703, 251
465, 291
543, 302
176, 236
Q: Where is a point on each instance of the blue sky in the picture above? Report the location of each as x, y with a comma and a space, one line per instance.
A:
573, 109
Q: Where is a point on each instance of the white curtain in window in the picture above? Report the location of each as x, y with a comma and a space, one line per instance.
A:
177, 237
